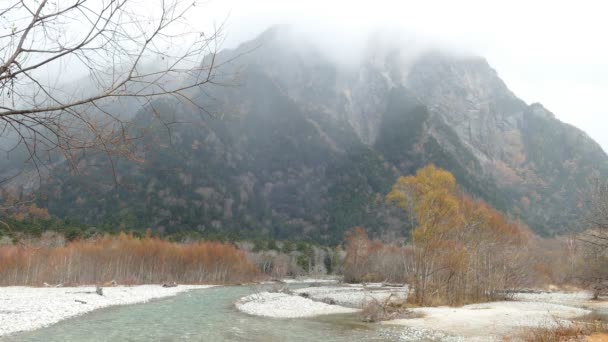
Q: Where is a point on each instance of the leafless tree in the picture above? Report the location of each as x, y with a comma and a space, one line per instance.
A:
592, 267
597, 215
599, 205
128, 50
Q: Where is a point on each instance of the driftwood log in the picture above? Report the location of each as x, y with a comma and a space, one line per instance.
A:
98, 290
110, 283
49, 285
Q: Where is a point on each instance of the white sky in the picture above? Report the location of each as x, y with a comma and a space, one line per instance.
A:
548, 51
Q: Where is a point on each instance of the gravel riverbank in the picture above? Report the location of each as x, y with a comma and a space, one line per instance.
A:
282, 305
28, 308
489, 321
354, 296
478, 322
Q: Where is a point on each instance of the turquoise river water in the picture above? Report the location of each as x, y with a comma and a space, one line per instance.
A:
201, 315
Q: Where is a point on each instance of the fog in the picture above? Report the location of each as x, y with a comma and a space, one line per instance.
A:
546, 51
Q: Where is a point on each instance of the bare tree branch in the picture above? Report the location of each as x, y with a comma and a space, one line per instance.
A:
130, 52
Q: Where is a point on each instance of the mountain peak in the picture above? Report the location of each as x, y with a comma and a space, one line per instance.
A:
316, 146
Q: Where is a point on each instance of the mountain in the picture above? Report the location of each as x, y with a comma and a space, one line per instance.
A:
308, 147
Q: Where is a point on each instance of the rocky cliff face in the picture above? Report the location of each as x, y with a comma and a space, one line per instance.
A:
308, 148
523, 149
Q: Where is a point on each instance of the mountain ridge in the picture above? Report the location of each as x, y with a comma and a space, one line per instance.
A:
309, 148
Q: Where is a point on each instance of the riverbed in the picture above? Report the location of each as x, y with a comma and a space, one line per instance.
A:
211, 315
202, 315
28, 308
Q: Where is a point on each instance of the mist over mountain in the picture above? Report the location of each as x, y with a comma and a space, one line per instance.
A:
307, 147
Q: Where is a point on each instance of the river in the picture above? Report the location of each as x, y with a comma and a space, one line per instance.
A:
201, 315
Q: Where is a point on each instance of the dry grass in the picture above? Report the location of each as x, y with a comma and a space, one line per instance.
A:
564, 331
125, 259
598, 337
375, 310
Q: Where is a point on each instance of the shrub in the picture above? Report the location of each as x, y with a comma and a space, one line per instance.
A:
126, 259
562, 331
382, 310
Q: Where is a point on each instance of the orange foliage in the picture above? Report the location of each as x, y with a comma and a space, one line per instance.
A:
357, 254
32, 212
465, 250
368, 260
126, 259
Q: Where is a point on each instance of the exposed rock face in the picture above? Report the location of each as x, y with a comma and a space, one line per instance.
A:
470, 98
309, 147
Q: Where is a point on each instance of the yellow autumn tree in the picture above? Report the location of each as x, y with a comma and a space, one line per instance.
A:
464, 250
430, 199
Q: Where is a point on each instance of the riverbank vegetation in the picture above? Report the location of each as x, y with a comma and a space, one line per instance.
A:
281, 259
460, 250
564, 331
463, 251
124, 259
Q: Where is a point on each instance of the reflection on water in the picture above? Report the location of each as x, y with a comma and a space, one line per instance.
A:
200, 315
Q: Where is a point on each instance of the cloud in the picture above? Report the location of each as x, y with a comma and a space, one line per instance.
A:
551, 52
